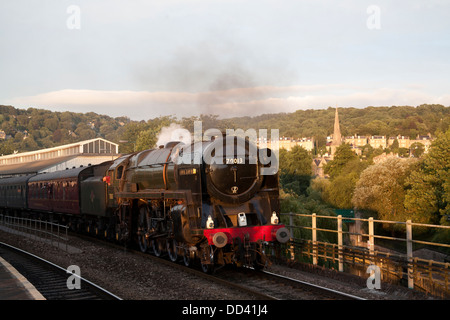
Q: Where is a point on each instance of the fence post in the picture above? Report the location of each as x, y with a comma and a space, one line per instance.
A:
409, 254
340, 243
314, 239
371, 244
291, 223
291, 229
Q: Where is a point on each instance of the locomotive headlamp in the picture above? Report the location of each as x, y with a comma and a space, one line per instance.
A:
242, 219
274, 219
209, 223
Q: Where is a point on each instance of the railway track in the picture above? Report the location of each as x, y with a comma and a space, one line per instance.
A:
49, 279
198, 273
280, 287
262, 285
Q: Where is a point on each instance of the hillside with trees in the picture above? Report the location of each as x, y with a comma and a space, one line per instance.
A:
31, 129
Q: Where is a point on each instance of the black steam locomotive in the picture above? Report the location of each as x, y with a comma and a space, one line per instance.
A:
207, 201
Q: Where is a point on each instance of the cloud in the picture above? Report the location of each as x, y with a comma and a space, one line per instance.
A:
143, 105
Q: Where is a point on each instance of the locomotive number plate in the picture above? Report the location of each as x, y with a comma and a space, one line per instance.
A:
185, 172
234, 160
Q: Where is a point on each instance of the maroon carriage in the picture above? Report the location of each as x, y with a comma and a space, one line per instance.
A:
56, 191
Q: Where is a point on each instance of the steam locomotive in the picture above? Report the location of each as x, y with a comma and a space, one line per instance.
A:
215, 207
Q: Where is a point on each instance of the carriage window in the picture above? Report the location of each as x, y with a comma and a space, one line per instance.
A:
119, 172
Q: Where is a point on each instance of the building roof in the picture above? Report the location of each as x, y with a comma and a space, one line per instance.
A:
97, 146
32, 167
69, 173
58, 158
15, 180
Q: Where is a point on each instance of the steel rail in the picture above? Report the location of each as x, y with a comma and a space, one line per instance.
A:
103, 293
324, 290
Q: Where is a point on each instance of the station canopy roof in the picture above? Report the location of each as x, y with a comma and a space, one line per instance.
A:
86, 152
32, 167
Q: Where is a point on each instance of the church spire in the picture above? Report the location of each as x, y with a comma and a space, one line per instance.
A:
337, 138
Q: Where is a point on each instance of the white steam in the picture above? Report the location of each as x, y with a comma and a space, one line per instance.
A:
174, 132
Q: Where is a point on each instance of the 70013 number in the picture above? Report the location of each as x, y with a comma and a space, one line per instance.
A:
234, 160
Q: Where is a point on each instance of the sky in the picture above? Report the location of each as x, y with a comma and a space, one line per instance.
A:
145, 59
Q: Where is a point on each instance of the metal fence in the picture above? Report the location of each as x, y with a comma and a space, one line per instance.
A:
355, 245
46, 231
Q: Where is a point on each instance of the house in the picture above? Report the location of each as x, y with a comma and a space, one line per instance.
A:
318, 166
288, 143
356, 141
425, 140
377, 142
403, 141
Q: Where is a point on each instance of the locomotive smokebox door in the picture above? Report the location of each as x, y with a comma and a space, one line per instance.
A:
232, 169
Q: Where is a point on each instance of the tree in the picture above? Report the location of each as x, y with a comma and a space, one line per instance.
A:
417, 149
19, 137
308, 205
421, 201
84, 132
28, 144
403, 152
8, 128
339, 192
429, 186
394, 147
375, 127
295, 169
297, 161
146, 139
344, 154
369, 152
6, 147
57, 135
381, 188
51, 123
130, 135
